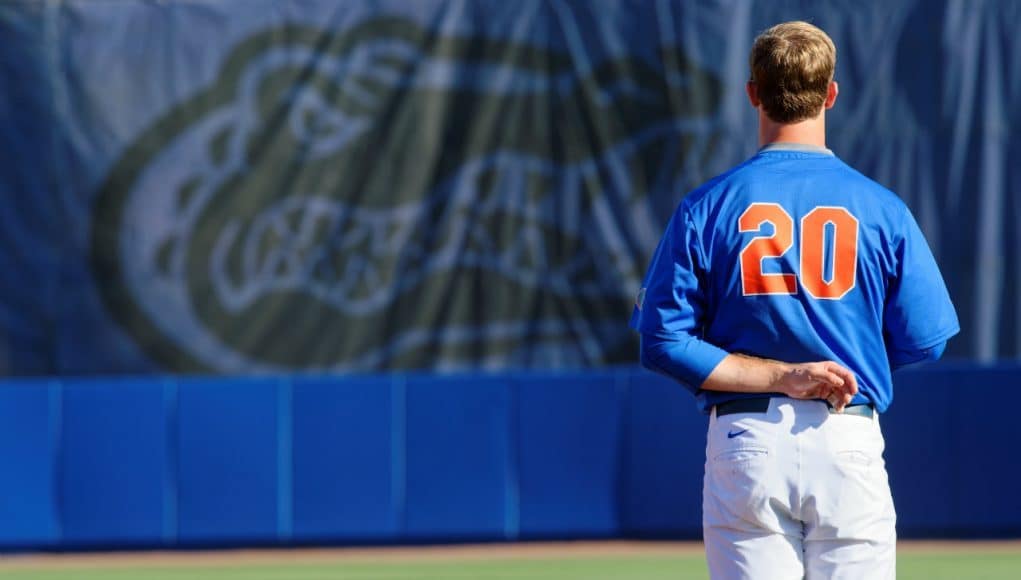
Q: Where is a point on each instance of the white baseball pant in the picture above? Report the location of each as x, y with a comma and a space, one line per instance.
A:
797, 492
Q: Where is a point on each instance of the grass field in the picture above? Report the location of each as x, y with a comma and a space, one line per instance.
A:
976, 562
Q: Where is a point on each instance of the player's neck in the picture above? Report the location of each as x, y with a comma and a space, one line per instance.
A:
807, 132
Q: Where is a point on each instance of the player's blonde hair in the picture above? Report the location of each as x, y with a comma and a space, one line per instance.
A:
792, 66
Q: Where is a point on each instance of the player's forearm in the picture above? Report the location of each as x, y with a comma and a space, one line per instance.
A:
738, 373
824, 380
700, 364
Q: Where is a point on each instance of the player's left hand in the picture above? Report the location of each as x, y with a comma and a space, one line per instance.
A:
824, 380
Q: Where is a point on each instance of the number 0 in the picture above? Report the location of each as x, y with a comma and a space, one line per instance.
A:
844, 251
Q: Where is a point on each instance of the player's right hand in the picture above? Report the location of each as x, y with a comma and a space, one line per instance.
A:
824, 380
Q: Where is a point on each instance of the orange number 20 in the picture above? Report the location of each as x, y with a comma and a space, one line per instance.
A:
813, 251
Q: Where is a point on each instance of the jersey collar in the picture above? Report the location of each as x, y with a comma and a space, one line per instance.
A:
796, 147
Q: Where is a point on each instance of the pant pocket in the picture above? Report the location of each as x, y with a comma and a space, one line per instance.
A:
855, 458
737, 491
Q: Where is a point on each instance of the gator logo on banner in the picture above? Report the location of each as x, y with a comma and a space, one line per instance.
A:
391, 197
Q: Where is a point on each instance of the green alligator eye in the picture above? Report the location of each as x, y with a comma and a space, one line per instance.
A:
320, 129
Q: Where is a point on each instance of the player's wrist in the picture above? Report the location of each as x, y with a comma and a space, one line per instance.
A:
783, 375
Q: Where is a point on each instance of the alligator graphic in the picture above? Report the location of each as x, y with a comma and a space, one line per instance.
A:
389, 197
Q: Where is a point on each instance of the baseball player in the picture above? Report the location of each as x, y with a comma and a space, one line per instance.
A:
782, 294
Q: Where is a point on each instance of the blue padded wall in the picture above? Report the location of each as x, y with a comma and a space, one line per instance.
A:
921, 453
29, 415
988, 463
569, 455
666, 453
167, 462
227, 460
344, 486
458, 453
113, 468
951, 450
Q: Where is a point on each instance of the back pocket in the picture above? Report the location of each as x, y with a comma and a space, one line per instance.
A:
854, 457
737, 491
741, 455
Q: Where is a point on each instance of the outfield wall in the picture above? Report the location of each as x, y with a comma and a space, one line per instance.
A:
163, 462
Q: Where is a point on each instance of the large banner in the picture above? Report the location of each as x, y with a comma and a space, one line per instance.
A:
256, 186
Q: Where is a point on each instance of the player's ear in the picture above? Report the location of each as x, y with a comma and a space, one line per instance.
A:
753, 93
831, 94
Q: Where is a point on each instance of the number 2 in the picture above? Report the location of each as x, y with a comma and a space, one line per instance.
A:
813, 254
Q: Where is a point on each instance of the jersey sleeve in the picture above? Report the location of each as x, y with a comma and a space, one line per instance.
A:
902, 358
918, 313
670, 308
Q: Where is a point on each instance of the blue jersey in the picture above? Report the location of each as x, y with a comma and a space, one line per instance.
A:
795, 256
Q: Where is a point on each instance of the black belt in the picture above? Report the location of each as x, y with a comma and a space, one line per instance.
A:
761, 405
